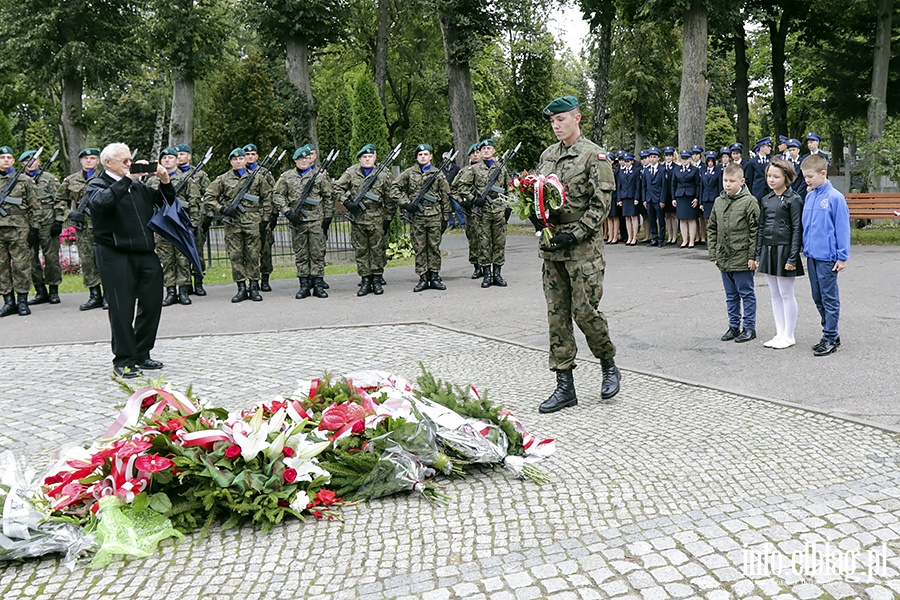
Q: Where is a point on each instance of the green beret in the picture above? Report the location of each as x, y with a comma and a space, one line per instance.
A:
487, 142
367, 149
5, 150
236, 152
424, 148
474, 147
168, 152
89, 152
183, 148
312, 147
250, 148
302, 152
560, 105
25, 155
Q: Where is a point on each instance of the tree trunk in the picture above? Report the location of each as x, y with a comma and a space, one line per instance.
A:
880, 63
601, 80
381, 50
181, 120
837, 146
73, 135
778, 31
741, 85
694, 86
459, 91
296, 63
158, 130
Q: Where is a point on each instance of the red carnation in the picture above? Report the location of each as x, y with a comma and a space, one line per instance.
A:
290, 475
325, 497
232, 451
287, 451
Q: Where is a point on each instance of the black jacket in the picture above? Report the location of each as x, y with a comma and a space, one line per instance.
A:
780, 223
121, 210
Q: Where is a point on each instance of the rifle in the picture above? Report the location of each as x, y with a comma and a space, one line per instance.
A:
298, 210
11, 184
76, 217
356, 205
423, 195
236, 207
45, 167
194, 170
491, 186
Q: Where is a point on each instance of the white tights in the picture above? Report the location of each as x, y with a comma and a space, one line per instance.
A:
784, 304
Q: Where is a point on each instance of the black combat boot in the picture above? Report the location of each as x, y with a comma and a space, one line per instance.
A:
488, 276
477, 273
377, 282
9, 305
498, 279
380, 279
366, 286
254, 291
54, 294
105, 304
198, 286
319, 288
564, 394
423, 282
611, 378
264, 284
325, 285
94, 301
436, 283
171, 296
183, 298
24, 311
241, 293
40, 295
304, 289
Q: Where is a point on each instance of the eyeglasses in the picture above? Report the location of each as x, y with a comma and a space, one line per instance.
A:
124, 161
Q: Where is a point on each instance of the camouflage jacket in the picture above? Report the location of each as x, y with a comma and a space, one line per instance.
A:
52, 209
223, 190
380, 202
71, 192
410, 182
201, 182
189, 197
473, 180
289, 189
22, 205
589, 182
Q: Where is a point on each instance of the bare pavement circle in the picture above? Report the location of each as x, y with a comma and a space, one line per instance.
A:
671, 490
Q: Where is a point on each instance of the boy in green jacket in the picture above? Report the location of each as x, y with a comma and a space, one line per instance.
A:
731, 241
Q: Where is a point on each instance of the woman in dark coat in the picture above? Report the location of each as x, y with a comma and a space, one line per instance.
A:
627, 184
778, 248
710, 188
686, 198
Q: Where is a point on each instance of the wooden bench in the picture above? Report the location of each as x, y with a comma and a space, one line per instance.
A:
874, 206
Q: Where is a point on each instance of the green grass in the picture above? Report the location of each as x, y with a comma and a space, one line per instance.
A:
876, 235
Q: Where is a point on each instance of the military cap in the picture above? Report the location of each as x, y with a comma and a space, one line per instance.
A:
302, 152
6, 150
622, 153
668, 150
711, 154
737, 146
628, 156
171, 151
424, 148
813, 136
183, 148
311, 147
782, 139
24, 156
251, 148
367, 149
685, 154
474, 148
695, 149
236, 152
487, 142
560, 105
653, 150
724, 150
89, 152
766, 141
646, 153
793, 143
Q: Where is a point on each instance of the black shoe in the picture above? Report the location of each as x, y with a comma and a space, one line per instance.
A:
264, 284
477, 273
377, 282
40, 295
820, 343
54, 294
105, 304
170, 298
563, 396
23, 309
365, 287
745, 336
826, 348
381, 280
95, 300
241, 293
253, 292
183, 298
423, 283
198, 286
148, 364
319, 286
488, 280
611, 378
325, 285
498, 279
127, 372
729, 335
436, 282
9, 305
304, 291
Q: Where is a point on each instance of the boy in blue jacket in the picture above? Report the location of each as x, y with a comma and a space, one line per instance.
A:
826, 245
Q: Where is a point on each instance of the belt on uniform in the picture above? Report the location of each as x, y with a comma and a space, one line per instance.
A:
566, 218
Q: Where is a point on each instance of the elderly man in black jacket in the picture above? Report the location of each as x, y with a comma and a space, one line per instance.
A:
121, 207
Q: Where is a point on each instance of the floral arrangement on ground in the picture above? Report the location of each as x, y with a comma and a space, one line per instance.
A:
172, 463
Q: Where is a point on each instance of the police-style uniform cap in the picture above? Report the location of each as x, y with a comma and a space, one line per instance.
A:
653, 150
183, 148
782, 139
813, 136
668, 150
766, 141
250, 148
712, 154
487, 142
737, 146
24, 156
560, 105
89, 152
474, 148
646, 153
302, 152
236, 152
685, 154
424, 148
696, 149
168, 152
628, 156
724, 150
367, 149
622, 153
794, 143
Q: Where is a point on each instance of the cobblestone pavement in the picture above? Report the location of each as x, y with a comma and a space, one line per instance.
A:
669, 491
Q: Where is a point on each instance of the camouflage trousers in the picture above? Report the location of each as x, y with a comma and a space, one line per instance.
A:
15, 260
242, 245
200, 241
473, 222
84, 240
573, 290
265, 252
385, 240
50, 273
368, 242
425, 233
492, 238
308, 243
175, 266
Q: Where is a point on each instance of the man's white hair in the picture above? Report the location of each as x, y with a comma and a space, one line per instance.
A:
110, 152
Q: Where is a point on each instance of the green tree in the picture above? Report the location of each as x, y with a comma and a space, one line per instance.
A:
368, 117
6, 134
719, 129
38, 135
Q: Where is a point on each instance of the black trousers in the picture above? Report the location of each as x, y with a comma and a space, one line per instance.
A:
129, 279
657, 220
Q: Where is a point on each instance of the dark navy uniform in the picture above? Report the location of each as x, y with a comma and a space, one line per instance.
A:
653, 192
686, 189
710, 185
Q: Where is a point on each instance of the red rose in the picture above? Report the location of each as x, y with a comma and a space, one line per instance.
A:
287, 451
359, 426
325, 497
290, 475
232, 451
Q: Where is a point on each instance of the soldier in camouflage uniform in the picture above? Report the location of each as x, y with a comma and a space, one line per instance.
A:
472, 218
52, 215
367, 230
266, 235
308, 234
241, 228
430, 223
71, 192
18, 231
204, 216
175, 265
573, 259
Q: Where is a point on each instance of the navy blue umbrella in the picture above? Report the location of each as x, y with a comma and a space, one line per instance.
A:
173, 223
